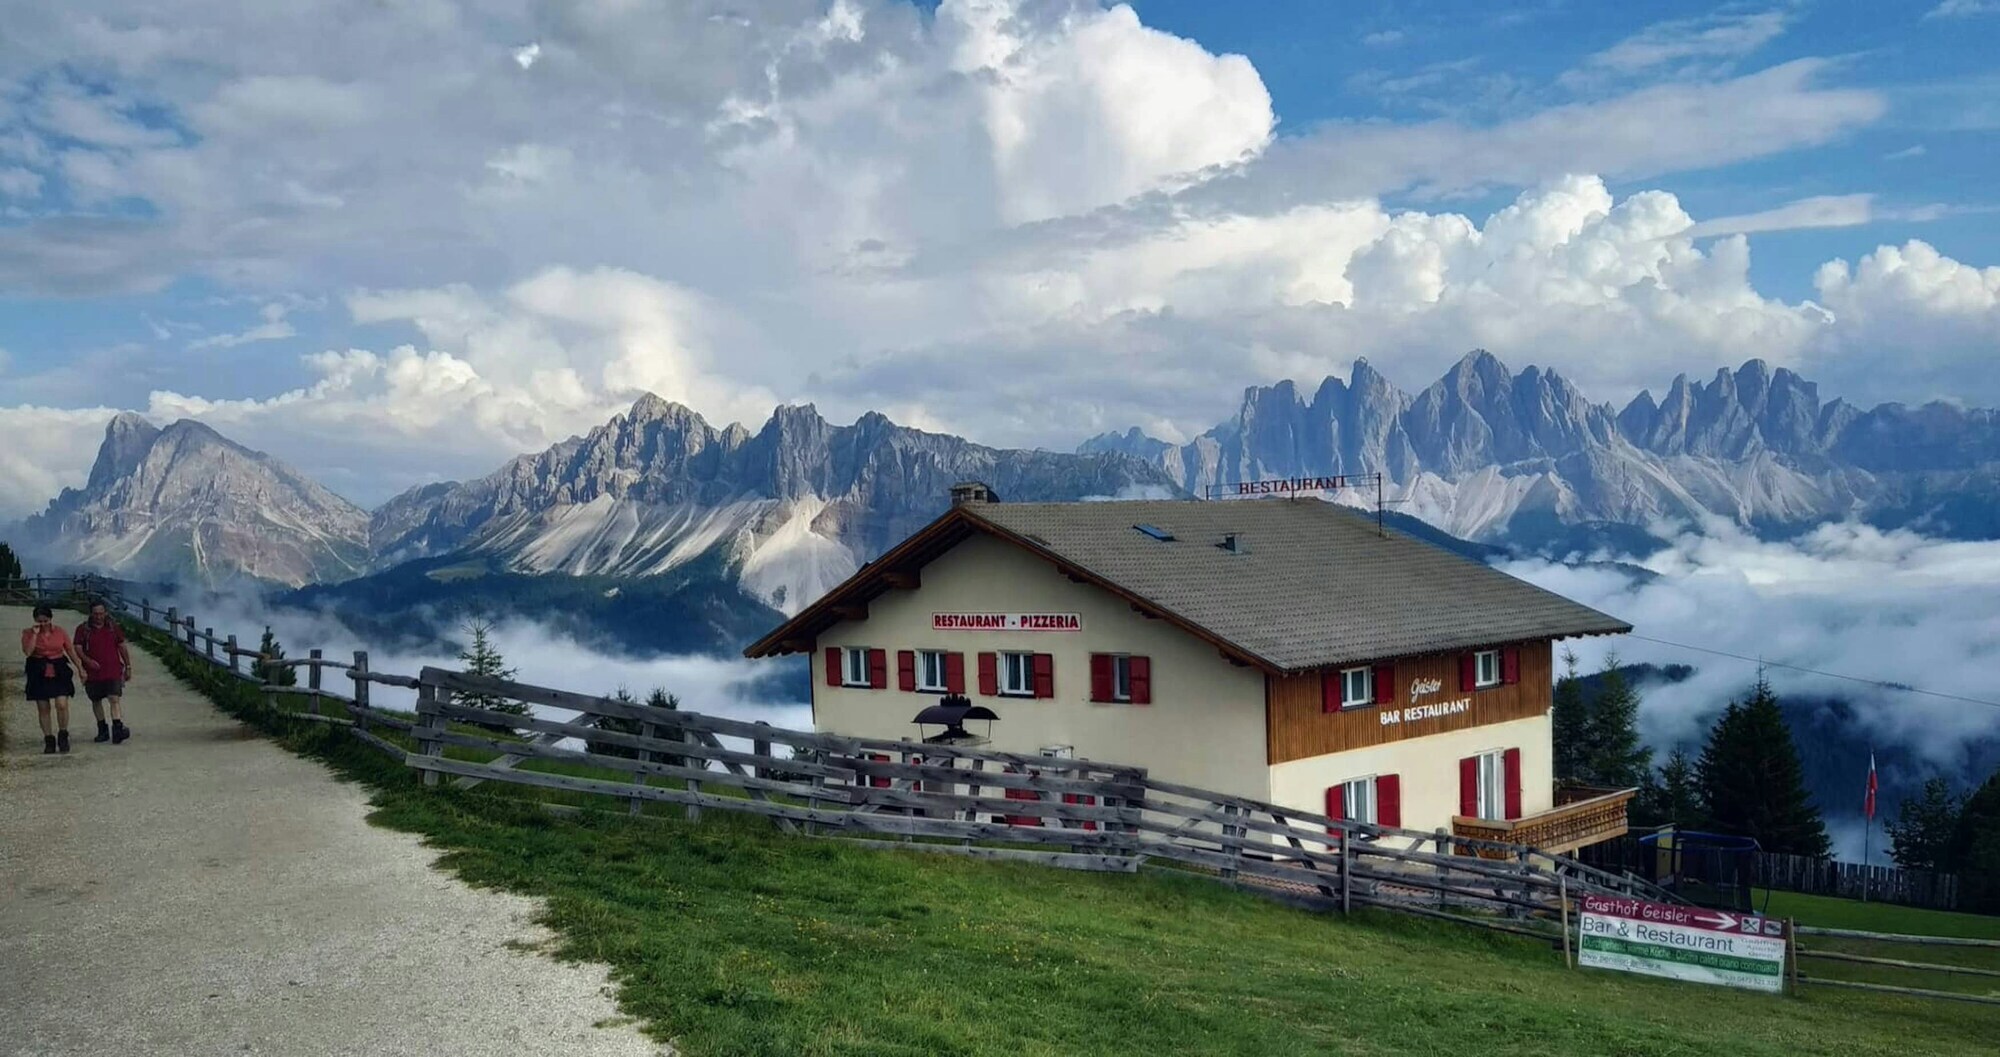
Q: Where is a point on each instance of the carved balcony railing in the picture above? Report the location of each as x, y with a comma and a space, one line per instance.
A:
1582, 815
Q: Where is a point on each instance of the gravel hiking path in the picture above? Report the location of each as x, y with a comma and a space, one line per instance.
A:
199, 890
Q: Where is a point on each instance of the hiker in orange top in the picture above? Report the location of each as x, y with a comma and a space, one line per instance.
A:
52, 664
107, 667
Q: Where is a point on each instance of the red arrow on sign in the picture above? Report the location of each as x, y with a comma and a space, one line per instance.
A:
1718, 920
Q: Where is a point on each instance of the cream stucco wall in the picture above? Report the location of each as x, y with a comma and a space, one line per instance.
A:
1429, 770
1204, 727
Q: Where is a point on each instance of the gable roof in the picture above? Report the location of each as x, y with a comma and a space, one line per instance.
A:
1310, 585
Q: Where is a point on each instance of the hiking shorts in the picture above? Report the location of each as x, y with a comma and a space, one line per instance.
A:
99, 689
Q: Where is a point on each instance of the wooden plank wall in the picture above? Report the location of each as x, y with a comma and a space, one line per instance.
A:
1297, 728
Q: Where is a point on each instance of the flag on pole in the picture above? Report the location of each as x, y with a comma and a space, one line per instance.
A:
1868, 803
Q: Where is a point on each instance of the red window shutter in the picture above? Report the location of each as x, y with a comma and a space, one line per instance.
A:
989, 674
954, 673
1022, 794
878, 669
1142, 680
1083, 799
833, 659
1510, 665
1468, 787
906, 669
1389, 800
1336, 808
1468, 671
1329, 691
1100, 677
878, 782
1045, 675
1385, 684
1511, 763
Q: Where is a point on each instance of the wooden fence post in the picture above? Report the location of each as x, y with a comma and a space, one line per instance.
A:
648, 730
360, 690
173, 622
235, 661
428, 724
762, 747
1346, 872
208, 635
146, 611
1443, 871
1233, 850
312, 680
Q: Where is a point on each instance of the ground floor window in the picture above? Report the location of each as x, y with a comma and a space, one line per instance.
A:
1358, 800
931, 671
1017, 674
854, 666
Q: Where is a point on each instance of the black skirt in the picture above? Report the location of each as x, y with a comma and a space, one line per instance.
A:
48, 680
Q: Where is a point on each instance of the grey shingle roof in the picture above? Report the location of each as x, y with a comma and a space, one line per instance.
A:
1318, 586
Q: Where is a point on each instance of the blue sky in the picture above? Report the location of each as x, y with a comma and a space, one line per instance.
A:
468, 228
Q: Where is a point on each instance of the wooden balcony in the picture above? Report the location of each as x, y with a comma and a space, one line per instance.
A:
1582, 815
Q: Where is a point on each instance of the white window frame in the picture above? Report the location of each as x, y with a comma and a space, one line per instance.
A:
1480, 661
1121, 677
925, 661
854, 668
1492, 785
1348, 687
1005, 663
1358, 800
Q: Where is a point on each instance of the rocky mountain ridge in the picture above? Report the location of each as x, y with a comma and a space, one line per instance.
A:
186, 503
1485, 453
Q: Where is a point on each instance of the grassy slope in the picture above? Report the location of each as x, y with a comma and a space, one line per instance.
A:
1879, 917
730, 939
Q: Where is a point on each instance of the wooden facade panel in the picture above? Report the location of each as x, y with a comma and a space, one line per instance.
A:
1297, 727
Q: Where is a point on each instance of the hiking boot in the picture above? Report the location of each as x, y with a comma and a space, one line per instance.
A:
103, 731
119, 732
48, 745
62, 741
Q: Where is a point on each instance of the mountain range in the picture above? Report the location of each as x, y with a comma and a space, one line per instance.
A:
704, 534
1527, 459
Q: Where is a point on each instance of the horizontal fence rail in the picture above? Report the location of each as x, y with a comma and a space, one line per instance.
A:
1070, 813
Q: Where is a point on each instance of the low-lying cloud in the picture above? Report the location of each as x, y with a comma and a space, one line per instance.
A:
1892, 607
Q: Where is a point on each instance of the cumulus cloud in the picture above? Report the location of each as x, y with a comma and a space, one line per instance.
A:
47, 450
1022, 221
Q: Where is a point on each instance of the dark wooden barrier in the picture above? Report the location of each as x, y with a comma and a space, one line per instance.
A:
1071, 813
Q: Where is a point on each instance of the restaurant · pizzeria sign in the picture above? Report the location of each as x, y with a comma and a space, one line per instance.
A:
1682, 943
1006, 622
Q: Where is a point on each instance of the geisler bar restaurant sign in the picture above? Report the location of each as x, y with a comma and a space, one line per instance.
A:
1683, 943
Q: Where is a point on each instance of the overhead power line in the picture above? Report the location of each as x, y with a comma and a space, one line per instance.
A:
1877, 683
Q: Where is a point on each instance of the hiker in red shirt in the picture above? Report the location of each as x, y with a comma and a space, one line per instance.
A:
107, 667
51, 663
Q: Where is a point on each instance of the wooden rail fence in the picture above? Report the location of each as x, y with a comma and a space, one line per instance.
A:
1071, 813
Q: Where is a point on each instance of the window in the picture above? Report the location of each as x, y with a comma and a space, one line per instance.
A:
1488, 664
1017, 675
854, 667
1359, 795
931, 671
1492, 801
1357, 687
1121, 678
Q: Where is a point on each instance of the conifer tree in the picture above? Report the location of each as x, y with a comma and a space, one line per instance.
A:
1921, 833
1974, 851
1613, 754
1752, 782
10, 565
1671, 796
1569, 718
482, 657
269, 651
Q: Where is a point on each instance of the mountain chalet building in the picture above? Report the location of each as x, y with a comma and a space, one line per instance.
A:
1284, 650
